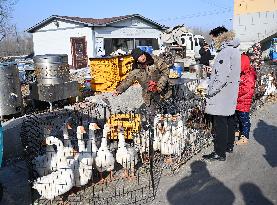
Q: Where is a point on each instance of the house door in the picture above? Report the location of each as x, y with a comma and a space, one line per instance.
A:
79, 52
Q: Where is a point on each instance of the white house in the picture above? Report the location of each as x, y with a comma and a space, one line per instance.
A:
82, 38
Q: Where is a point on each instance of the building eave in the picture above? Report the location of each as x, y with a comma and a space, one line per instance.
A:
56, 17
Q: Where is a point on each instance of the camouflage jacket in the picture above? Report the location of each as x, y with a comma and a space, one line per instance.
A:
158, 72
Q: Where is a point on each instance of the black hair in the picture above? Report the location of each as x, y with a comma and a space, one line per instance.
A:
218, 31
136, 53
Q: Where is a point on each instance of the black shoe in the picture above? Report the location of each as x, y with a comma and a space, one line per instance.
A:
207, 156
230, 150
213, 156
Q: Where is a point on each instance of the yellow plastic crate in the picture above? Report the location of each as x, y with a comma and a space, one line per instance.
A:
130, 123
107, 73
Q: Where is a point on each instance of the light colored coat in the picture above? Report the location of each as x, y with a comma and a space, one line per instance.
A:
224, 82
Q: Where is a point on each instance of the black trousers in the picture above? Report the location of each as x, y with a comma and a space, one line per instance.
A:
224, 130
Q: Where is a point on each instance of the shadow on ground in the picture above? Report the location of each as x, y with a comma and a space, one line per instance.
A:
14, 184
200, 188
266, 135
252, 195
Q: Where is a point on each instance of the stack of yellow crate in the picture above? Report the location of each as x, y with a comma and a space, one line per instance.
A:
130, 122
107, 73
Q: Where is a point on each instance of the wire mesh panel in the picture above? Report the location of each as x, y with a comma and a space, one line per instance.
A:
74, 158
183, 132
113, 157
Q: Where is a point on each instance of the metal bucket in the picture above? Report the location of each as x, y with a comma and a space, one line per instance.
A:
198, 70
10, 89
179, 67
51, 69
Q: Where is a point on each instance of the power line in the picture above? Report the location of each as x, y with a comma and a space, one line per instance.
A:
212, 3
197, 15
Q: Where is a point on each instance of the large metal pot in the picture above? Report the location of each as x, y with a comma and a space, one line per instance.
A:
198, 69
10, 89
51, 69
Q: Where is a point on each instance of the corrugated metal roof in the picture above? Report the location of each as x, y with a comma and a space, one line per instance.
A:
93, 21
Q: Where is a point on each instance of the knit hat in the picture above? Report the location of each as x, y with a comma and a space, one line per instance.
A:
136, 53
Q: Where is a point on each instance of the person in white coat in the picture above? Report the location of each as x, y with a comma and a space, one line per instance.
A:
223, 92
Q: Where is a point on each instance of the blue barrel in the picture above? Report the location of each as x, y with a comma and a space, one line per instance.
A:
143, 48
178, 68
274, 56
148, 49
1, 143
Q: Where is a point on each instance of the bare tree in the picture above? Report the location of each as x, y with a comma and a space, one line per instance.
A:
17, 43
203, 32
11, 42
6, 7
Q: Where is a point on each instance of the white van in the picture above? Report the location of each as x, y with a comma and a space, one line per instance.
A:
198, 42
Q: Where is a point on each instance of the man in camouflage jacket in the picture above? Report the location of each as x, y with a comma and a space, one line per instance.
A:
152, 73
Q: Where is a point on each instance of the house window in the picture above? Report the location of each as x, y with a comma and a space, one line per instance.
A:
147, 42
128, 44
113, 44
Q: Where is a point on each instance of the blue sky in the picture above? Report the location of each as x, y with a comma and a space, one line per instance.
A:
194, 13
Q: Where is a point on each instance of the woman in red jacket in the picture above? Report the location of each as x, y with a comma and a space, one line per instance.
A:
246, 92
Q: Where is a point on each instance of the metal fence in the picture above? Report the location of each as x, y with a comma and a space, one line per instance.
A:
158, 147
116, 190
154, 147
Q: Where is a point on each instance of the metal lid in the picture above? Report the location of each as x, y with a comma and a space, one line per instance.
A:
51, 58
196, 66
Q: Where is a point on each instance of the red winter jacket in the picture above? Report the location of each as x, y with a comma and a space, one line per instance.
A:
246, 86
